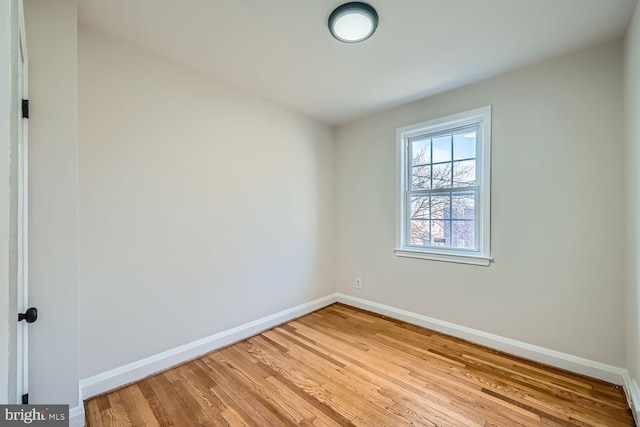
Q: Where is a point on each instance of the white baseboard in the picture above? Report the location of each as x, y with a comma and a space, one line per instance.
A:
76, 416
633, 396
135, 371
536, 353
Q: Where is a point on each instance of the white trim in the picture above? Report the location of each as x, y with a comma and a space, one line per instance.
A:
481, 117
76, 416
135, 371
22, 285
536, 353
632, 391
459, 259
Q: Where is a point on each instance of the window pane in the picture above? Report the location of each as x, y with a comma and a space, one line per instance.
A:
442, 149
440, 233
463, 234
421, 177
442, 175
463, 206
421, 151
419, 207
464, 173
419, 232
464, 145
440, 206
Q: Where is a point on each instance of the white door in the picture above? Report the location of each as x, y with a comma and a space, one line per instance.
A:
23, 219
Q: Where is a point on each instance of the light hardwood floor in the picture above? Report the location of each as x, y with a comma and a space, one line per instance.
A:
341, 366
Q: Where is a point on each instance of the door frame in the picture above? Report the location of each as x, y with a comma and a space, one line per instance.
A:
22, 285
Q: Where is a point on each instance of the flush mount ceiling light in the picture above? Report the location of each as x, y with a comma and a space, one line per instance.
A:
353, 22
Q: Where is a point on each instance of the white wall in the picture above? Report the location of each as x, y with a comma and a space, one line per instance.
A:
202, 207
557, 221
8, 201
632, 107
53, 198
5, 139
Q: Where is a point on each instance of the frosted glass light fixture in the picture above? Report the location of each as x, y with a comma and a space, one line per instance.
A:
353, 22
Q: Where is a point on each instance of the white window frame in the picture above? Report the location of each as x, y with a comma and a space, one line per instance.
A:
482, 118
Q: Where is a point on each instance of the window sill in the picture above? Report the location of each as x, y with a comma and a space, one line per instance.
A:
460, 259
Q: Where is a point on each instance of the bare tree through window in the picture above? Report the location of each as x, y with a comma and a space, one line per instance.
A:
443, 190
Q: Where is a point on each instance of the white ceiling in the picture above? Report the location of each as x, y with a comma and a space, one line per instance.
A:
282, 49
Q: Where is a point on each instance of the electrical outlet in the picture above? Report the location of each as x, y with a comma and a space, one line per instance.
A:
358, 283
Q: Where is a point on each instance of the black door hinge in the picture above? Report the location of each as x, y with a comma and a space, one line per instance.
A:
25, 399
25, 108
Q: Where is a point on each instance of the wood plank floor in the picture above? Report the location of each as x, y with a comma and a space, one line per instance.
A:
341, 366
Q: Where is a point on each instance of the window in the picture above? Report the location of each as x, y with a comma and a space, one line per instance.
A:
444, 188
